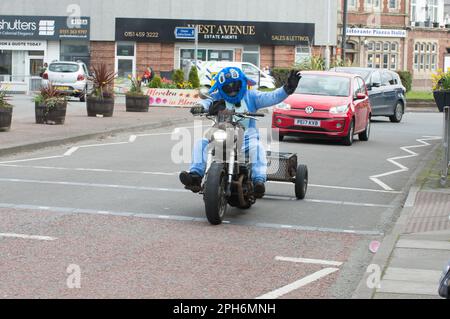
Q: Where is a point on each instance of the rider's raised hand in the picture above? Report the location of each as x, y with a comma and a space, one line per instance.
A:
198, 109
292, 81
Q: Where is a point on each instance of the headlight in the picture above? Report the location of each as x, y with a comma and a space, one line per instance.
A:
283, 106
339, 109
220, 136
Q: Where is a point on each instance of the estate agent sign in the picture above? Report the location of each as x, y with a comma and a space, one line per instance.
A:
44, 28
269, 33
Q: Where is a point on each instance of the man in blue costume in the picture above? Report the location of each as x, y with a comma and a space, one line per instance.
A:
230, 91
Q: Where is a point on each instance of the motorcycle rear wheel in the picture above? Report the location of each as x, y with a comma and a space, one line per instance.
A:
214, 194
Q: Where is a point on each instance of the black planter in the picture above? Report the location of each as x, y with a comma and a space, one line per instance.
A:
442, 99
50, 115
435, 24
447, 26
137, 103
5, 118
96, 106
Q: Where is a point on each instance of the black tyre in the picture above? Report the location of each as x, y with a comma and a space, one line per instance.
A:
301, 182
348, 140
364, 136
83, 96
398, 113
215, 194
281, 138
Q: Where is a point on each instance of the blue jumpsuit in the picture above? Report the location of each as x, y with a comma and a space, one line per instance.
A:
253, 101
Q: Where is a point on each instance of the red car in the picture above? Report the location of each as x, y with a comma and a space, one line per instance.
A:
325, 105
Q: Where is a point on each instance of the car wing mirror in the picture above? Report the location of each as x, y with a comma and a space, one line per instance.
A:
376, 85
360, 96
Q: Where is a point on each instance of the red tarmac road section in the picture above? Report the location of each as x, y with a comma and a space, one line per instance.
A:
131, 257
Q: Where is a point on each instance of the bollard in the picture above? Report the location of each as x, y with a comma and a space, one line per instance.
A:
446, 139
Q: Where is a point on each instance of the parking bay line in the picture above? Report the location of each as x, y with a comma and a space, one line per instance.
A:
309, 261
22, 236
176, 190
179, 218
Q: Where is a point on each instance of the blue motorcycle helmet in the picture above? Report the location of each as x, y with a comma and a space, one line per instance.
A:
231, 84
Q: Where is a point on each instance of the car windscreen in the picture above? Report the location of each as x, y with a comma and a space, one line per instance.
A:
327, 85
361, 72
63, 67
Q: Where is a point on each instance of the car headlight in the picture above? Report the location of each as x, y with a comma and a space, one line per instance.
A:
339, 109
220, 136
283, 106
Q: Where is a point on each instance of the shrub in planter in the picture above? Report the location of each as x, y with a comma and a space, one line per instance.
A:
50, 106
5, 112
193, 78
178, 78
155, 83
101, 99
406, 79
136, 101
441, 88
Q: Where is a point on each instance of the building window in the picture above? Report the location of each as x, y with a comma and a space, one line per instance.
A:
382, 55
413, 10
187, 56
393, 4
425, 56
125, 59
302, 54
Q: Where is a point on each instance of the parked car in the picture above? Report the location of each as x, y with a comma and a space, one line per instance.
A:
69, 78
325, 105
386, 91
207, 71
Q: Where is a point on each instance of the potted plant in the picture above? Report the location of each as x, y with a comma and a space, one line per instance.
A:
5, 112
101, 100
136, 101
435, 24
50, 105
441, 88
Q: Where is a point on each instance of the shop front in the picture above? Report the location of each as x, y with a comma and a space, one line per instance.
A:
153, 43
27, 43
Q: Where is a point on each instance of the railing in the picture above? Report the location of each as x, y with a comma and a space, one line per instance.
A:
446, 141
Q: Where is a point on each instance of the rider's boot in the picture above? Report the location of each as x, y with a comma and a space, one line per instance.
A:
260, 189
191, 181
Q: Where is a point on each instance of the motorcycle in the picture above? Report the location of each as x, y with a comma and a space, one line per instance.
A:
228, 178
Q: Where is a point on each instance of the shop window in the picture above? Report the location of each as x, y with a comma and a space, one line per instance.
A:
393, 65
302, 54
5, 65
220, 55
370, 46
370, 60
125, 59
251, 54
385, 60
187, 56
75, 51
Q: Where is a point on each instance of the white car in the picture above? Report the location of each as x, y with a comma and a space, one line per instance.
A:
207, 71
69, 78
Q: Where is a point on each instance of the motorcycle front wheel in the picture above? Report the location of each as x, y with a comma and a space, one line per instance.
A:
214, 194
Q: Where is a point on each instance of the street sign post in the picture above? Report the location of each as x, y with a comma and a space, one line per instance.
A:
185, 33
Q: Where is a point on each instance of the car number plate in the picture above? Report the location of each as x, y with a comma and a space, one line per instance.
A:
305, 122
62, 88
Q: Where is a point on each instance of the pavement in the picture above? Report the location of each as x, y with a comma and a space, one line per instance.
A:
112, 207
413, 256
26, 135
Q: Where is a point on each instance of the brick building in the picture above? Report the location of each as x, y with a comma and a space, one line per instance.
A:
408, 35
132, 35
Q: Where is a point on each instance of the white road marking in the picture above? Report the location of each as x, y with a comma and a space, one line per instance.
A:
74, 149
175, 190
149, 215
343, 188
309, 261
21, 236
99, 170
298, 284
393, 160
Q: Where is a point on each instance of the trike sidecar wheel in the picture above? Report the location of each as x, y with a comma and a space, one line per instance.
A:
301, 182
